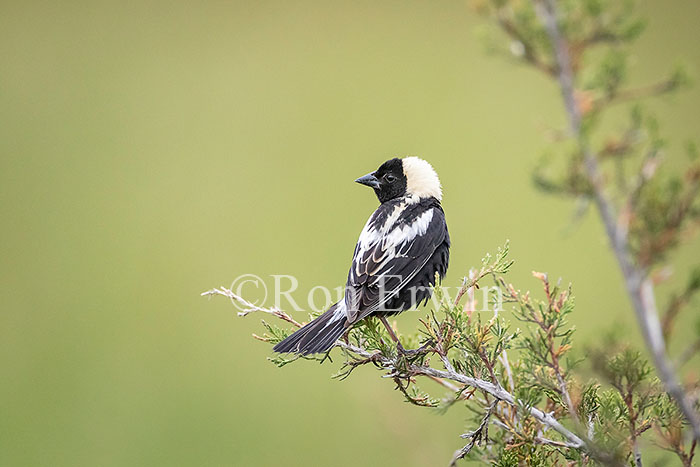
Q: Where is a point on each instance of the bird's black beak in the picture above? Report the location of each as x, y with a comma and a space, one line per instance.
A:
369, 180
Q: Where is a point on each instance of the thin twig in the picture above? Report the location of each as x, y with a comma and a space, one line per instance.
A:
688, 353
509, 372
551, 442
481, 434
529, 54
626, 95
250, 307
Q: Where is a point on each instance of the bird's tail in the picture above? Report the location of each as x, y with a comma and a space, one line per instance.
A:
319, 335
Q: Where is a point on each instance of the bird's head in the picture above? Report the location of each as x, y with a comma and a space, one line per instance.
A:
411, 177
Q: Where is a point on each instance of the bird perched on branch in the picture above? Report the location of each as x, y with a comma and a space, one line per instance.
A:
401, 248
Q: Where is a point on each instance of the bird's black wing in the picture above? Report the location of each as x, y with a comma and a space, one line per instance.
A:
398, 240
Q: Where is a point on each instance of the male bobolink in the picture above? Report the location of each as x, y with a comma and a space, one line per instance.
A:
404, 243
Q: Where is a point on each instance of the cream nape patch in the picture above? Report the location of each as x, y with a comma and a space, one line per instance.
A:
421, 179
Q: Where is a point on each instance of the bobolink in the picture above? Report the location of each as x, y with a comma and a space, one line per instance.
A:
403, 245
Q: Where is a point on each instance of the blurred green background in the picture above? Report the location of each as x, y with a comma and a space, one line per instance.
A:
150, 151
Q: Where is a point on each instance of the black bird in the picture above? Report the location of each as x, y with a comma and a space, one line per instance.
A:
404, 243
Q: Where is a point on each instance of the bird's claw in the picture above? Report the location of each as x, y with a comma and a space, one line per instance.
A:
412, 352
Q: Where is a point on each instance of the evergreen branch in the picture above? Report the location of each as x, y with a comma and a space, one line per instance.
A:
399, 368
503, 395
499, 265
688, 353
639, 286
529, 54
678, 302
626, 95
481, 434
250, 307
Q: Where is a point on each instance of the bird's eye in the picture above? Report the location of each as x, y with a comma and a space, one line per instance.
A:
389, 178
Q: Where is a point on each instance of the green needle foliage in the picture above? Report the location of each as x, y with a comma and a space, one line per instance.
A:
648, 210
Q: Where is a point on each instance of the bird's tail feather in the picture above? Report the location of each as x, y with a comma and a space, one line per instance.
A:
319, 335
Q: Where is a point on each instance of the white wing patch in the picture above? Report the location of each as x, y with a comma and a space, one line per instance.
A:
372, 234
408, 232
399, 240
387, 242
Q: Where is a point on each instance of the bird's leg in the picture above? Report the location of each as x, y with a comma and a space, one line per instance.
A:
346, 336
400, 348
392, 334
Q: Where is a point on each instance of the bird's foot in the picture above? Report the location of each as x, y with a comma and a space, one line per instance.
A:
413, 352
